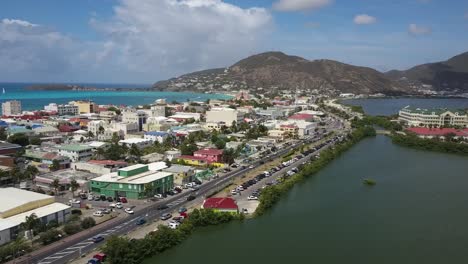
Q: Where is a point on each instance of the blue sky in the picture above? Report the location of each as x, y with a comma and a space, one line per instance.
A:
143, 41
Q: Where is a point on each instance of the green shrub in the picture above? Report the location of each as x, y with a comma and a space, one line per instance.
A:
72, 228
88, 222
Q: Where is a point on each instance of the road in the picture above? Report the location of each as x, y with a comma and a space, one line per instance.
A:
73, 247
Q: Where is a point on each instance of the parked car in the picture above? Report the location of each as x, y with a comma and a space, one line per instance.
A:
159, 196
233, 192
191, 198
122, 200
251, 197
173, 225
182, 209
110, 199
179, 219
178, 189
118, 205
101, 256
105, 211
166, 216
129, 211
162, 207
74, 201
90, 197
97, 239
98, 214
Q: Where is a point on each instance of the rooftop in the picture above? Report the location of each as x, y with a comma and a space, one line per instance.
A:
156, 133
133, 167
133, 140
438, 131
13, 197
142, 178
220, 203
75, 147
210, 151
178, 168
107, 162
436, 111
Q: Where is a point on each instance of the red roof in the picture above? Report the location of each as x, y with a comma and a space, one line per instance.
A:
191, 157
289, 126
438, 131
67, 128
220, 203
210, 151
107, 162
302, 116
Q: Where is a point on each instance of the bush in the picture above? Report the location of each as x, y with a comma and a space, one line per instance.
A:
50, 236
71, 228
52, 224
74, 218
88, 222
13, 249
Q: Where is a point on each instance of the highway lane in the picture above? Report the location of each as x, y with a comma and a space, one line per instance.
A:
70, 249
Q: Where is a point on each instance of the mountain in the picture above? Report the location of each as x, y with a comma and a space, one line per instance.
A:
274, 71
449, 76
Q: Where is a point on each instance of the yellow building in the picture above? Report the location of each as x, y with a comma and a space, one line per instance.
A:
86, 107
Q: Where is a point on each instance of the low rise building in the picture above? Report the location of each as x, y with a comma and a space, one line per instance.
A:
133, 182
221, 204
18, 204
10, 108
141, 143
99, 166
172, 154
224, 115
182, 174
154, 136
76, 152
433, 117
67, 109
210, 155
86, 107
65, 177
9, 148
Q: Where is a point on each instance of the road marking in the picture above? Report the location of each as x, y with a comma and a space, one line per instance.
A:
76, 248
44, 262
64, 252
83, 243
52, 257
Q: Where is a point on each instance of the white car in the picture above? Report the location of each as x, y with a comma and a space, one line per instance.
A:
251, 198
240, 188
119, 205
233, 192
129, 211
90, 197
74, 201
159, 196
98, 214
251, 166
173, 225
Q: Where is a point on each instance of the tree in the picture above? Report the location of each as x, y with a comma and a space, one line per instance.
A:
220, 143
149, 189
55, 165
119, 250
72, 228
31, 223
188, 148
134, 151
115, 138
229, 155
74, 185
90, 134
35, 141
19, 138
55, 184
101, 130
3, 134
50, 236
81, 139
30, 172
88, 222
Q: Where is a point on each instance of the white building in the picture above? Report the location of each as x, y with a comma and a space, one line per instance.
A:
52, 107
158, 136
130, 116
94, 126
139, 142
17, 204
76, 152
67, 109
270, 112
433, 117
11, 108
154, 111
226, 115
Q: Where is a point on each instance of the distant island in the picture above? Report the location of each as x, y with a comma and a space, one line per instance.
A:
74, 87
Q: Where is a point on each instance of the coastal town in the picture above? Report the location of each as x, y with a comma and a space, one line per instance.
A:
74, 174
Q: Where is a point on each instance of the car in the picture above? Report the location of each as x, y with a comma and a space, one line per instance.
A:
243, 167
251, 197
162, 207
129, 211
233, 192
197, 182
105, 211
173, 225
74, 201
166, 216
110, 199
182, 209
195, 187
118, 205
178, 189
191, 198
159, 196
240, 188
141, 221
90, 197
97, 239
98, 214
251, 166
178, 219
122, 200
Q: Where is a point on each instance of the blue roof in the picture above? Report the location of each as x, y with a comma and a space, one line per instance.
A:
3, 123
36, 126
156, 133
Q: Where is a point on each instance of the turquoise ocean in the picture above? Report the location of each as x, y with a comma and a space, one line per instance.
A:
34, 100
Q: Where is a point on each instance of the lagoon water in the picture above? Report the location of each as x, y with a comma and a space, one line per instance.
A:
417, 213
386, 106
32, 100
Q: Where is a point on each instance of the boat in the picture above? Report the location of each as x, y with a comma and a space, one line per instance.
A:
3, 90
369, 182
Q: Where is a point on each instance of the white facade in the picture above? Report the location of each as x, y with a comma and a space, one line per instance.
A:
93, 126
226, 115
11, 108
139, 142
157, 110
52, 107
130, 116
67, 110
424, 117
76, 152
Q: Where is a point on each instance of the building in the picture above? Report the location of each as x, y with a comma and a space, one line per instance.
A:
95, 127
221, 204
52, 107
172, 154
225, 115
433, 117
270, 112
9, 148
86, 107
134, 116
158, 136
67, 109
210, 155
159, 123
424, 132
99, 166
182, 174
11, 108
76, 152
141, 143
133, 182
185, 116
17, 204
155, 111
65, 177
301, 117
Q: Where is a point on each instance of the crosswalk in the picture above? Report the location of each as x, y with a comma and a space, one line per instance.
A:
177, 202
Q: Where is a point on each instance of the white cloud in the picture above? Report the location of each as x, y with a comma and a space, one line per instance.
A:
23, 23
300, 5
364, 19
414, 29
168, 37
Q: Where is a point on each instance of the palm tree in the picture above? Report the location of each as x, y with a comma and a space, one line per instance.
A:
101, 130
90, 134
31, 222
31, 172
56, 185
74, 185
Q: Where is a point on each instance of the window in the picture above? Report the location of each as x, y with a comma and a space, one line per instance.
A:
120, 186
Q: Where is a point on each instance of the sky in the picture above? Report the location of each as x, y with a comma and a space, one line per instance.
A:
143, 41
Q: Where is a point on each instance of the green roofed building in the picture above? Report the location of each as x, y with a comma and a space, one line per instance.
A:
133, 182
433, 117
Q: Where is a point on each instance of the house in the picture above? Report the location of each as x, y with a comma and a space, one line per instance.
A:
182, 174
99, 166
224, 115
9, 148
139, 142
302, 117
17, 204
65, 177
172, 154
210, 154
192, 160
76, 152
154, 136
134, 182
221, 204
